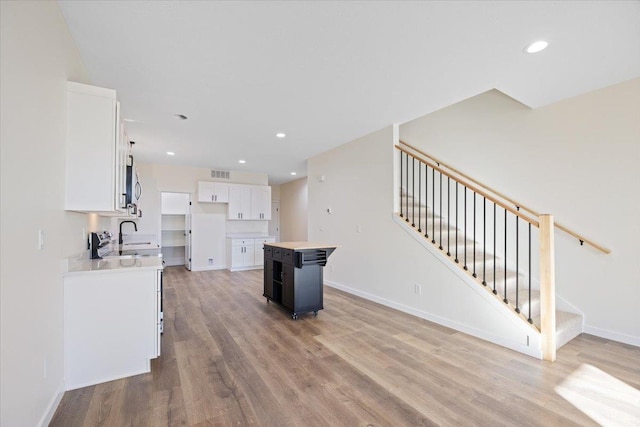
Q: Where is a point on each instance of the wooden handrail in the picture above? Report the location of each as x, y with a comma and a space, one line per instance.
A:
476, 190
580, 238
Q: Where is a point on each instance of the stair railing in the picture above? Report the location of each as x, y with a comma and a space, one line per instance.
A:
442, 205
516, 204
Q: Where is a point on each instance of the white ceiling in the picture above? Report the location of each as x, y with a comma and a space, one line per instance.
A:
328, 72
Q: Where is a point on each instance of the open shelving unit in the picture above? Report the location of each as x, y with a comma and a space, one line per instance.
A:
173, 227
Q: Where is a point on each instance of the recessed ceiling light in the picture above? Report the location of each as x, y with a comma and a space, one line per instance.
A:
293, 173
536, 47
128, 120
170, 153
280, 135
181, 117
242, 161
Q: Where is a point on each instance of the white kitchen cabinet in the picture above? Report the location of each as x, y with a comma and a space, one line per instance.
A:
240, 254
213, 192
249, 202
95, 150
112, 324
260, 202
246, 254
239, 201
259, 250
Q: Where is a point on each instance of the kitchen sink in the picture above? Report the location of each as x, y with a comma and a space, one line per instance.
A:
133, 254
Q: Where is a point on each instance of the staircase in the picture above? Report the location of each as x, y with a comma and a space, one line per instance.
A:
493, 244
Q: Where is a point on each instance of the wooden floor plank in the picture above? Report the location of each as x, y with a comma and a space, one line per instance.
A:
231, 358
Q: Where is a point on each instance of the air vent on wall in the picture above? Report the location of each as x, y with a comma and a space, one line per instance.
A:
219, 174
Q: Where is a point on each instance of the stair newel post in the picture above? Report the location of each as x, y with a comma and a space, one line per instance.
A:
400, 198
547, 289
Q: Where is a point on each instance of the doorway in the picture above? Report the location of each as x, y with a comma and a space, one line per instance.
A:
274, 223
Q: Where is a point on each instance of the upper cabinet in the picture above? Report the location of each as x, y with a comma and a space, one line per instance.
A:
213, 192
246, 202
260, 202
96, 151
249, 202
239, 201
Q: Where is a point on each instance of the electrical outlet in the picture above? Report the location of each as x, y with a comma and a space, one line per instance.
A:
358, 228
84, 233
417, 289
210, 260
45, 368
331, 267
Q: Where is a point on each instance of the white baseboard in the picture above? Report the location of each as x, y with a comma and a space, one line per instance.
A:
532, 350
53, 406
253, 267
207, 268
610, 335
111, 378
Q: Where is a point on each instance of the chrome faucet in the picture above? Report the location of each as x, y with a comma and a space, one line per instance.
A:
135, 226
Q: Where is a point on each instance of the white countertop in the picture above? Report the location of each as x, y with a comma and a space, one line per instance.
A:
110, 265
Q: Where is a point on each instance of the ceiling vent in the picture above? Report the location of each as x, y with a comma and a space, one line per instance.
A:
220, 174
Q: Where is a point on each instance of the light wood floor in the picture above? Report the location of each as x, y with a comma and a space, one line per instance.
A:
229, 358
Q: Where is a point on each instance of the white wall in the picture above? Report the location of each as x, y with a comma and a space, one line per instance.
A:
381, 261
293, 211
38, 56
275, 193
577, 160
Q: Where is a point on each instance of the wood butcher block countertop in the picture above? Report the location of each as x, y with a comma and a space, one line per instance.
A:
299, 246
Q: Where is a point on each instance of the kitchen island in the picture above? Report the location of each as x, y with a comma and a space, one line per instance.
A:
293, 275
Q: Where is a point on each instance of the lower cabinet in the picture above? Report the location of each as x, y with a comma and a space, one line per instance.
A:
246, 254
112, 324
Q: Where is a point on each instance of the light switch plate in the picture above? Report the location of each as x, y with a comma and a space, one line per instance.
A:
40, 239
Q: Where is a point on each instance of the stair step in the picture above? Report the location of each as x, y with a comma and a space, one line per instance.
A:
523, 301
479, 261
568, 326
428, 222
423, 217
500, 280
